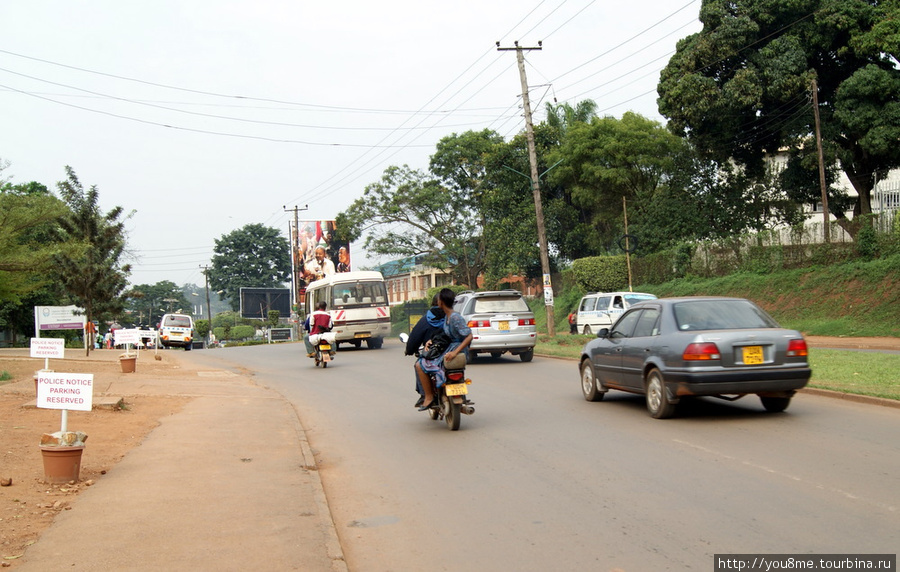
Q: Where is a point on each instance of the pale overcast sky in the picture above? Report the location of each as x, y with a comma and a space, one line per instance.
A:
207, 115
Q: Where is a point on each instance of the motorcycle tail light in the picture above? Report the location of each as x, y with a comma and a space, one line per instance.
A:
456, 376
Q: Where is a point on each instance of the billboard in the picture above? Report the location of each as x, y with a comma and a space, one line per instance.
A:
257, 302
310, 236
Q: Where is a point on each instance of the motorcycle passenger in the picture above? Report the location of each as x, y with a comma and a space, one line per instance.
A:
427, 326
460, 337
318, 322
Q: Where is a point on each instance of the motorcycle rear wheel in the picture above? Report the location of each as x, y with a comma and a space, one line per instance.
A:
452, 414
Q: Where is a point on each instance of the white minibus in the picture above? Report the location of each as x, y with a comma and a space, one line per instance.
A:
358, 304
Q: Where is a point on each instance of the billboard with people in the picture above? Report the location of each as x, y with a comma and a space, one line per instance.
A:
318, 253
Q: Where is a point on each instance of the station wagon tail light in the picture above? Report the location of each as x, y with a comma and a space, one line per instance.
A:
701, 351
479, 323
526, 321
797, 348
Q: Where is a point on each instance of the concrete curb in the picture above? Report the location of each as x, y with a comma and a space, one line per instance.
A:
332, 542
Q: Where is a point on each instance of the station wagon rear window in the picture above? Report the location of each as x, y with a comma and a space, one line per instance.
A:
498, 304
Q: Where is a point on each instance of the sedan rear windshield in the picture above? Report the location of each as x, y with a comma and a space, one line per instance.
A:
498, 304
720, 315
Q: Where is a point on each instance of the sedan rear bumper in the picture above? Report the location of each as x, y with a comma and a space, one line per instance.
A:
725, 383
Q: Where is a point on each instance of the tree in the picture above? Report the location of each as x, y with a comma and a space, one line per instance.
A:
738, 89
28, 214
95, 279
436, 217
608, 159
254, 256
148, 302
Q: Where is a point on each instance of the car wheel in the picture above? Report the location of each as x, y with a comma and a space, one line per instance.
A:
496, 355
470, 357
527, 356
658, 403
357, 343
586, 331
775, 404
589, 384
187, 348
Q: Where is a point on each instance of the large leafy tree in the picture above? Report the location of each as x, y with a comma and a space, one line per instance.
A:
438, 216
95, 278
607, 160
254, 256
739, 88
28, 214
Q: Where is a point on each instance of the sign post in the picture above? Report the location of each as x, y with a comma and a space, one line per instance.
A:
65, 391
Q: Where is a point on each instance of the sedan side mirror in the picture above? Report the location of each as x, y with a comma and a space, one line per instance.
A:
603, 333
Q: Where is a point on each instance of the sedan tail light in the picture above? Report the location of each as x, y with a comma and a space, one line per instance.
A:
797, 348
701, 351
526, 321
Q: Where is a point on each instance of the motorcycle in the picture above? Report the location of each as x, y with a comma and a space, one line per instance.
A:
451, 400
324, 345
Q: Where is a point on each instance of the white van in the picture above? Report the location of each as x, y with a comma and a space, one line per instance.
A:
358, 304
176, 330
601, 309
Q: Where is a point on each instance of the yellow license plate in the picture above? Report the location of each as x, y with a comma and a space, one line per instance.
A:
753, 355
324, 347
503, 326
456, 389
362, 335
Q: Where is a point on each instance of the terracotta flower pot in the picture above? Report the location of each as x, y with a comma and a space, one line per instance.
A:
61, 464
128, 363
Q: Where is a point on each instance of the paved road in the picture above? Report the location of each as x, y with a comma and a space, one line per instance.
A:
540, 479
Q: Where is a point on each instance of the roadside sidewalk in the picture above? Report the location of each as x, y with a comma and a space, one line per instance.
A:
228, 483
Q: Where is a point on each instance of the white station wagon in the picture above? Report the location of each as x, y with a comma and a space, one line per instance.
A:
600, 309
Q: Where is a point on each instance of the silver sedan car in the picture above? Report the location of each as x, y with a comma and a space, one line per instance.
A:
671, 348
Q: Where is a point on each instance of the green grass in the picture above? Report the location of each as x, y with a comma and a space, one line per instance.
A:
847, 371
862, 373
5, 376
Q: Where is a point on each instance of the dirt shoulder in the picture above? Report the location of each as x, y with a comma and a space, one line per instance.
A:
28, 505
889, 344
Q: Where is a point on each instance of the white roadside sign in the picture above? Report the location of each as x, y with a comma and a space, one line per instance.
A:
73, 391
124, 337
58, 318
48, 348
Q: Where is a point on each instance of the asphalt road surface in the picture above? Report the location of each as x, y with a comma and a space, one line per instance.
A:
539, 479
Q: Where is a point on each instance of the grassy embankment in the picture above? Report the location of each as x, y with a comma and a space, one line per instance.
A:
859, 299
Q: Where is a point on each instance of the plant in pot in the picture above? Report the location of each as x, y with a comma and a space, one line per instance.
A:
61, 453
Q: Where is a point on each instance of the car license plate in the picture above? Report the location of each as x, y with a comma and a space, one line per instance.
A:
503, 326
456, 389
324, 347
362, 335
753, 355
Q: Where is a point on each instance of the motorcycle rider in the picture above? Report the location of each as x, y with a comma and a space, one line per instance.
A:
427, 326
318, 322
460, 336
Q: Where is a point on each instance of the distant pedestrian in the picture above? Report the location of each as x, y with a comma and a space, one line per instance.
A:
573, 323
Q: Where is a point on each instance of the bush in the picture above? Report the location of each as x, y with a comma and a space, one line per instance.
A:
601, 273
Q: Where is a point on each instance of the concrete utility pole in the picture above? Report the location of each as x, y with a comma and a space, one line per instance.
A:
535, 185
295, 247
815, 101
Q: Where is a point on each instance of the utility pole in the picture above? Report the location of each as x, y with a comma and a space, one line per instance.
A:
535, 184
209, 315
815, 100
295, 247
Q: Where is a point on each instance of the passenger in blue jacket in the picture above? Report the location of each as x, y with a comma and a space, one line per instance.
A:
427, 326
